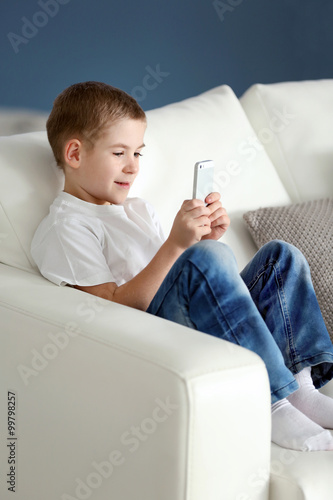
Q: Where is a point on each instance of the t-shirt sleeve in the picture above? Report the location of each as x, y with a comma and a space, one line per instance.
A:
70, 252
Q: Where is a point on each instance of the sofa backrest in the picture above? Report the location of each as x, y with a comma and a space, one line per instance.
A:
30, 180
212, 125
294, 121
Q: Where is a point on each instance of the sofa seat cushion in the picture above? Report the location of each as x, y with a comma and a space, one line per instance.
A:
297, 475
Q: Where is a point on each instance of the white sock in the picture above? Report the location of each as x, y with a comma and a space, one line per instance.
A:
311, 402
293, 430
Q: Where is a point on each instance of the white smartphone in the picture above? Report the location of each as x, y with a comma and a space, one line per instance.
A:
203, 182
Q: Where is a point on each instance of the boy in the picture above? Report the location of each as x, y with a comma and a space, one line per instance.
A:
100, 241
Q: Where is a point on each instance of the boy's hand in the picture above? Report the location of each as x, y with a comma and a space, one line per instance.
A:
191, 224
219, 219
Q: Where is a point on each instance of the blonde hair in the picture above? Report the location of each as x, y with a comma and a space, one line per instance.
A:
84, 110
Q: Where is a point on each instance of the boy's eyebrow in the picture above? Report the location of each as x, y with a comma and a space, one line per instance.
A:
120, 145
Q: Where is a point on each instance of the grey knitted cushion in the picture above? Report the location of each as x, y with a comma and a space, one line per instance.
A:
308, 226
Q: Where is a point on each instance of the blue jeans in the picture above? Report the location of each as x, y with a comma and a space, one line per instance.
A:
269, 308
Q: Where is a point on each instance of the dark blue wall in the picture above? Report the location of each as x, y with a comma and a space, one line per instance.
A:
159, 51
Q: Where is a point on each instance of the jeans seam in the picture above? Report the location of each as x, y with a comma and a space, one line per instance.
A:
283, 303
284, 307
261, 271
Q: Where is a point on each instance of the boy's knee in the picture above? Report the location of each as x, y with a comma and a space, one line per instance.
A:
212, 253
278, 249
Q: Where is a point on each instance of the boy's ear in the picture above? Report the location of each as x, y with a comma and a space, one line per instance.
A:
73, 150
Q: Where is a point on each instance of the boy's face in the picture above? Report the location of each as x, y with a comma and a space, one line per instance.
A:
106, 172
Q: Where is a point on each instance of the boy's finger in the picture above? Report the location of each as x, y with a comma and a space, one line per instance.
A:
216, 206
223, 221
212, 197
200, 211
190, 204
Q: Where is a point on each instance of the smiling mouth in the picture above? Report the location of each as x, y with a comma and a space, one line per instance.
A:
125, 185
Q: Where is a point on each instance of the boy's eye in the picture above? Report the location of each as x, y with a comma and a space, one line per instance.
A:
121, 154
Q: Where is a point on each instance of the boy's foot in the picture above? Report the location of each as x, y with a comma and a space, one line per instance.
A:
308, 400
293, 430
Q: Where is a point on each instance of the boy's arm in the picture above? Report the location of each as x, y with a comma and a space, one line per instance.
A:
140, 290
192, 223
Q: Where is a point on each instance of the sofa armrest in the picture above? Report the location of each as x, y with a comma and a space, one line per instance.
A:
111, 402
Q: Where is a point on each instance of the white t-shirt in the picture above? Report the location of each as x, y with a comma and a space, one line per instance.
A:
80, 243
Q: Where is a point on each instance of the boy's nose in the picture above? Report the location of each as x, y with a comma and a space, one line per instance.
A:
131, 166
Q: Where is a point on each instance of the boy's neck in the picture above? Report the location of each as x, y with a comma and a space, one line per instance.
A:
81, 194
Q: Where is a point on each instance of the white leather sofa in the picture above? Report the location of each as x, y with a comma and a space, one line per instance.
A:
106, 402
